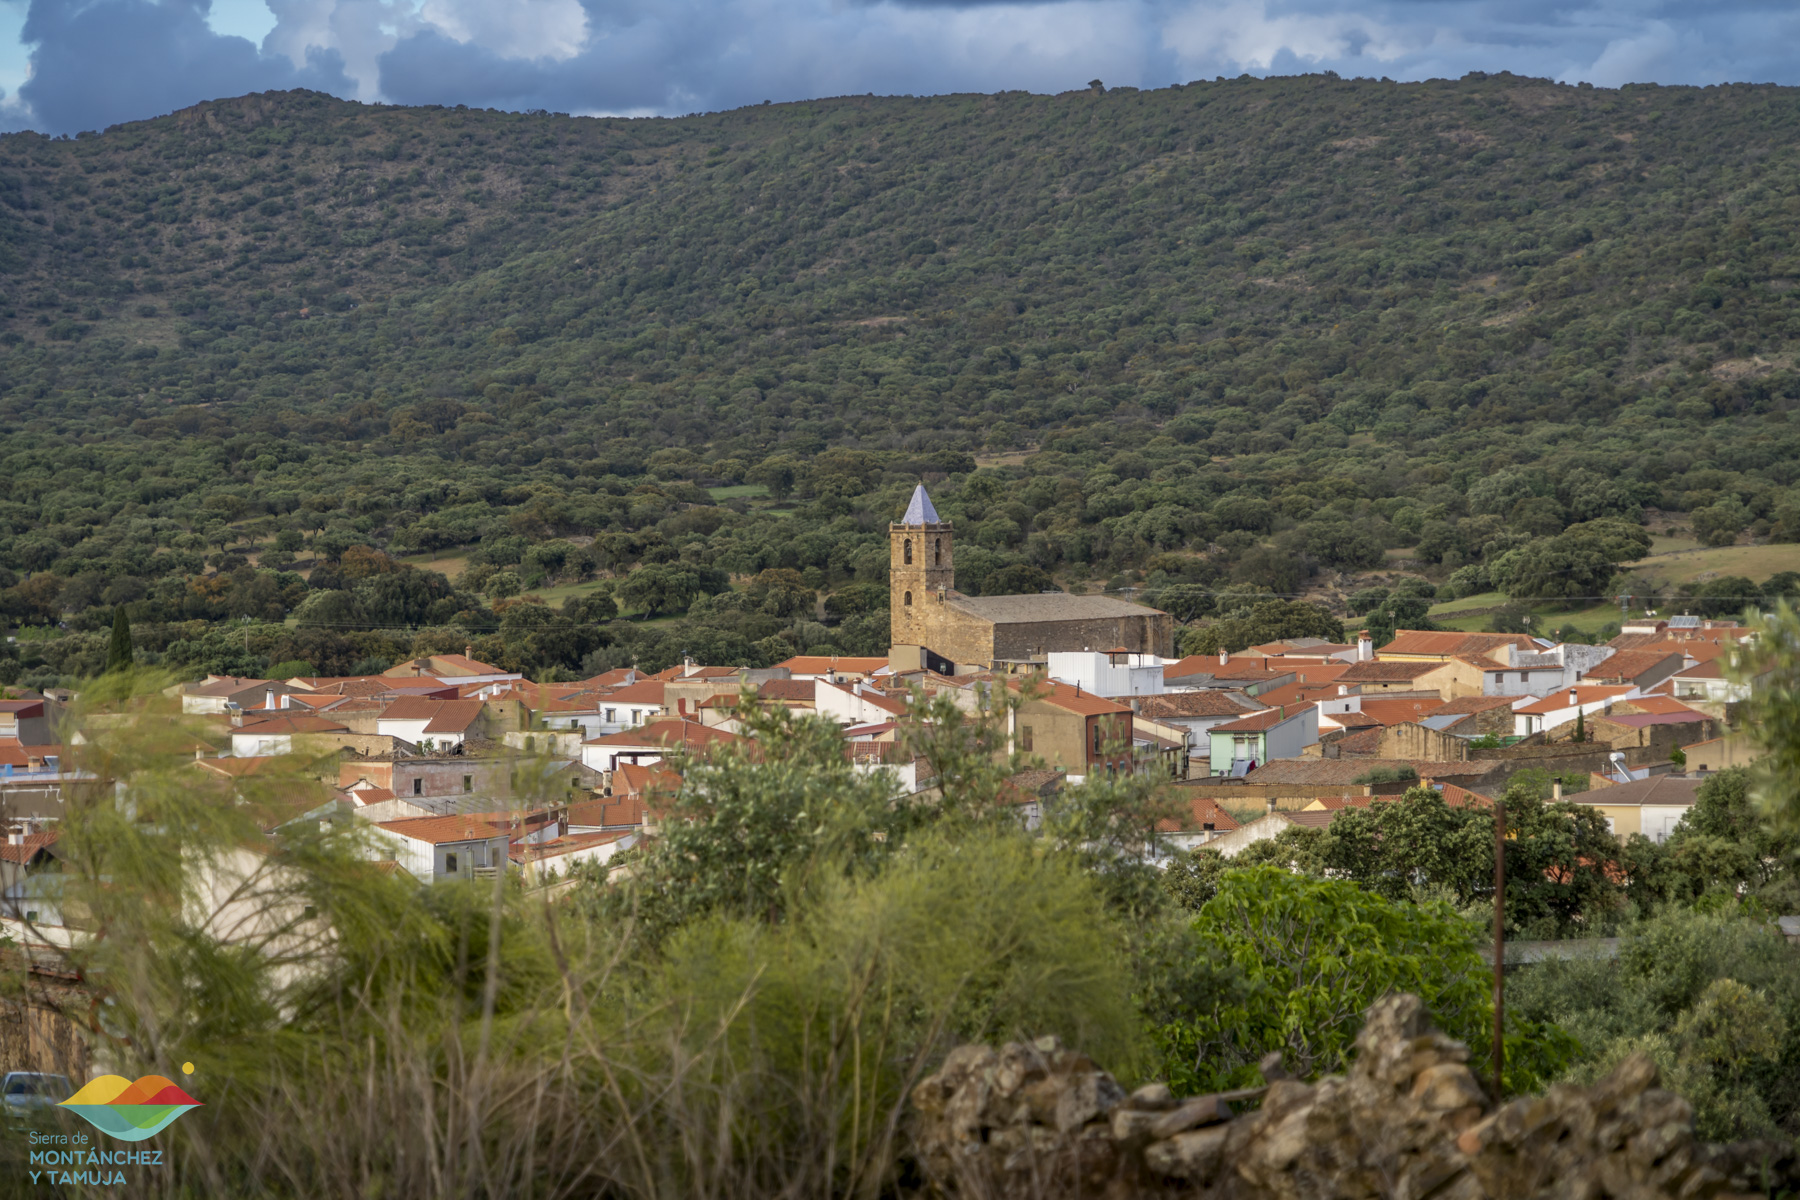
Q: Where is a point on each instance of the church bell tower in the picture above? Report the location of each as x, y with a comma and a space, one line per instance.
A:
919, 570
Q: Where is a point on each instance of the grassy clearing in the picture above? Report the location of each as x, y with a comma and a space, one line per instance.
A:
448, 564
559, 596
748, 491
1483, 600
1684, 561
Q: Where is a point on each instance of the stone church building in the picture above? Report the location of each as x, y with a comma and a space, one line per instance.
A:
999, 631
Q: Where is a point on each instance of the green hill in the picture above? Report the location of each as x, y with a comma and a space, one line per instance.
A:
1271, 332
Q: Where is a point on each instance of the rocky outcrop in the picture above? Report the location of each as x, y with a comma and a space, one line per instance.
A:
1409, 1121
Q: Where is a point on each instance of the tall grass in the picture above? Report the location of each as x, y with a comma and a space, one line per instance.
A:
353, 1035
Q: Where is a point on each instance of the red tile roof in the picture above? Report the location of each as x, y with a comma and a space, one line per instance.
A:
1070, 698
525, 852
1197, 704
643, 693
1666, 705
1628, 665
1398, 712
1197, 812
1256, 722
294, 724
820, 664
438, 830
1472, 704
667, 733
1450, 644
1388, 672
441, 716
29, 846
1585, 693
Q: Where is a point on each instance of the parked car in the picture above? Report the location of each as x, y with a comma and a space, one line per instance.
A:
28, 1093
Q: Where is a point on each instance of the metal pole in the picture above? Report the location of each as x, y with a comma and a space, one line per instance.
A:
1499, 941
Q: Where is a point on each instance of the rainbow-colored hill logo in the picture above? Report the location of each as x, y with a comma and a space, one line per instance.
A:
130, 1111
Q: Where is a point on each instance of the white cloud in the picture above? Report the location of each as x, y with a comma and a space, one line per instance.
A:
1245, 35
554, 29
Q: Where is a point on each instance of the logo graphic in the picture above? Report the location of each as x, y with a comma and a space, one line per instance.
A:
130, 1111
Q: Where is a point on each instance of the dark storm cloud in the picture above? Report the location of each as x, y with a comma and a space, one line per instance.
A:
97, 64
104, 62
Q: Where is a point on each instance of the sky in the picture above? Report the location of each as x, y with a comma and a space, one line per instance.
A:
72, 65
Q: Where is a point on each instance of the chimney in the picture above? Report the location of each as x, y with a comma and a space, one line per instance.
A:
1573, 700
1556, 791
15, 838
1343, 689
268, 697
1365, 647
468, 650
1224, 657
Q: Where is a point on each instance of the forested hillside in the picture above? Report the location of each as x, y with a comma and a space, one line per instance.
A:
1248, 333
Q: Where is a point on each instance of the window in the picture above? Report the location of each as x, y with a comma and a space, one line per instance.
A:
575, 724
906, 551
31, 916
907, 600
1096, 737
450, 863
1025, 738
468, 783
309, 913
612, 715
418, 787
937, 552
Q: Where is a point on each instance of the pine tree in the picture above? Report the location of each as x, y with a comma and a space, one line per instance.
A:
119, 650
1580, 725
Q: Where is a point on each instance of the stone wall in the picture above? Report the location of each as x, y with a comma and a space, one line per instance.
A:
1410, 1121
1152, 633
43, 1024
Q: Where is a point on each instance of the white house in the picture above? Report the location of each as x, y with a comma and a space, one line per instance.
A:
1112, 673
910, 775
1560, 708
1521, 673
428, 723
229, 693
538, 861
651, 743
434, 849
856, 703
1706, 682
262, 739
629, 707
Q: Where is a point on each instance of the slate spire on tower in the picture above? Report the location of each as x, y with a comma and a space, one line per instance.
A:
921, 511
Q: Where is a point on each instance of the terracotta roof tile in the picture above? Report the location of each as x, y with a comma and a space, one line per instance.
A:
295, 724
438, 830
1197, 704
1628, 666
820, 664
1071, 698
1388, 671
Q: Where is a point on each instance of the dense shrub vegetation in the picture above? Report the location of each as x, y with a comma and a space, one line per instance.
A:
1253, 335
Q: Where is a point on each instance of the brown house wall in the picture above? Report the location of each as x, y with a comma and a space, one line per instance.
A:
1415, 741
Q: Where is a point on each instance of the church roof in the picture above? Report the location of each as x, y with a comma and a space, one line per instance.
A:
1046, 606
921, 511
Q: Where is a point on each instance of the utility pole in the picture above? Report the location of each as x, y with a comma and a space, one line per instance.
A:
1499, 942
